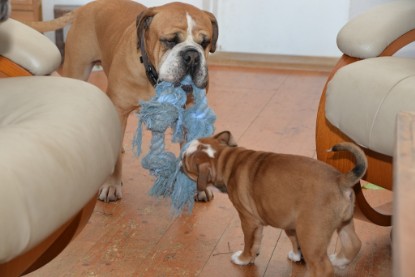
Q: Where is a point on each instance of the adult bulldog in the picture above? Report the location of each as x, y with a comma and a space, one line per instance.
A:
137, 47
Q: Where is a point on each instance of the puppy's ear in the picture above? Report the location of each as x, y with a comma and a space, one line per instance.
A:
215, 31
226, 138
143, 23
205, 176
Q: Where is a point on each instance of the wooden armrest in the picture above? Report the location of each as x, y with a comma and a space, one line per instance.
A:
11, 69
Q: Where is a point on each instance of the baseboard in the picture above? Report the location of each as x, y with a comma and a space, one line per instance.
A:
266, 61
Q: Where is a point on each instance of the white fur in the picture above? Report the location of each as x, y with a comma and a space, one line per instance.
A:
195, 144
210, 151
190, 25
236, 260
341, 263
295, 257
192, 147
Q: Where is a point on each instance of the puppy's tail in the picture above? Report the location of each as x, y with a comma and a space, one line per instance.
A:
54, 24
350, 178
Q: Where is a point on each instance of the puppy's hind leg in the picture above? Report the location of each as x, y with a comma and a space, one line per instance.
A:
314, 242
350, 245
295, 254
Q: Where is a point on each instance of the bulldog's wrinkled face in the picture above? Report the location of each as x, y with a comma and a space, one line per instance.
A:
179, 37
199, 160
5, 9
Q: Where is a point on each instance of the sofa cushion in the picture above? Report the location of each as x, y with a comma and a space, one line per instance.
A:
28, 48
59, 141
364, 97
368, 34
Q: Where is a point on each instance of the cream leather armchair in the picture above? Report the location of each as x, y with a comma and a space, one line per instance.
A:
59, 141
366, 90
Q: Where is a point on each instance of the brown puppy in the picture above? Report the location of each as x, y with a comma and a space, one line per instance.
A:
171, 40
307, 198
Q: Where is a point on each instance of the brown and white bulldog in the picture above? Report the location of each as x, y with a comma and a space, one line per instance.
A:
307, 198
171, 41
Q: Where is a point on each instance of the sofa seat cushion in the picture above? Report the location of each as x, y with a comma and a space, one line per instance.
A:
59, 141
364, 98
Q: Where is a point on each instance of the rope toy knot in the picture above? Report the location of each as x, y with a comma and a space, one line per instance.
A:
166, 110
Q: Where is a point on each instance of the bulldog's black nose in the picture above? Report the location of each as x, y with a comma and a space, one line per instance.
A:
191, 58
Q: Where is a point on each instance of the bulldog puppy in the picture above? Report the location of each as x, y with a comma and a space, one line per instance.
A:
137, 47
307, 198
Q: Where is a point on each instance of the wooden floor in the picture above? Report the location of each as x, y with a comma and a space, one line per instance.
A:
137, 236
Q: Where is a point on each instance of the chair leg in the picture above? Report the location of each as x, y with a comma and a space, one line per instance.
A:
368, 211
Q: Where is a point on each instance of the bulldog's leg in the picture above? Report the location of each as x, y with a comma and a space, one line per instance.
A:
295, 254
252, 238
111, 190
204, 195
257, 240
81, 51
350, 245
76, 70
314, 240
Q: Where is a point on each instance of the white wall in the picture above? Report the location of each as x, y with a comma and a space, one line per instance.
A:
283, 27
300, 27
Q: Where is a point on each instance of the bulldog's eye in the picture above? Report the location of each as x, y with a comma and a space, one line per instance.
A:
170, 43
205, 43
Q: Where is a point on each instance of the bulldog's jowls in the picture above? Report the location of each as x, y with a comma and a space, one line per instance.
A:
171, 41
307, 198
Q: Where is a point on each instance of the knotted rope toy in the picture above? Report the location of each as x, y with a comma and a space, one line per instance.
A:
167, 110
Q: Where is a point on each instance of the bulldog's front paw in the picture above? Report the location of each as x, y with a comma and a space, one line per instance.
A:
238, 259
339, 262
110, 192
295, 257
204, 196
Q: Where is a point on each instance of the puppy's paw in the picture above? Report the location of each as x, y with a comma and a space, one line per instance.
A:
339, 262
295, 257
237, 259
110, 192
204, 195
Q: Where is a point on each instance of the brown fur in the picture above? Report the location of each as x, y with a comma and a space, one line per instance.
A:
307, 198
109, 32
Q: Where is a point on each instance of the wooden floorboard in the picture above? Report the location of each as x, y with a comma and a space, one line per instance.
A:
271, 110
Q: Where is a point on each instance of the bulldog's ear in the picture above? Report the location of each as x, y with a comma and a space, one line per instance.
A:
215, 31
226, 138
205, 176
143, 22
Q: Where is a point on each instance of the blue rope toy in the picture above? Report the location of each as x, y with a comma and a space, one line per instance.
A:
166, 110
